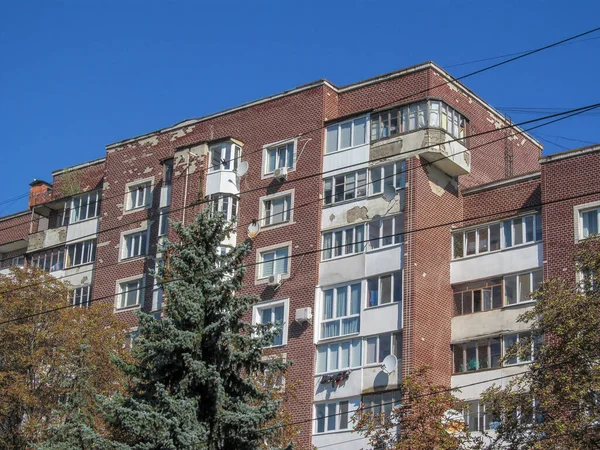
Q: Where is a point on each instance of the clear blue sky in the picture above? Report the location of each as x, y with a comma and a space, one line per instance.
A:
78, 75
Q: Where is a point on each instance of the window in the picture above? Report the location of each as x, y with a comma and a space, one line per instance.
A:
85, 206
130, 293
341, 311
274, 262
157, 291
386, 231
224, 156
381, 402
168, 172
81, 253
518, 288
277, 210
477, 355
384, 289
163, 222
589, 222
274, 313
19, 260
477, 418
331, 416
344, 241
226, 205
522, 357
346, 134
48, 260
135, 244
378, 347
80, 297
496, 236
345, 187
415, 116
477, 297
390, 174
139, 196
279, 156
339, 356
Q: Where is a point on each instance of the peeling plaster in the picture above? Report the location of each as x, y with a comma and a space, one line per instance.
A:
102, 244
332, 217
106, 186
148, 169
438, 180
179, 133
357, 213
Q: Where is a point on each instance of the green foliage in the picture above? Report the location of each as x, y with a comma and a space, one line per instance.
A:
193, 382
555, 403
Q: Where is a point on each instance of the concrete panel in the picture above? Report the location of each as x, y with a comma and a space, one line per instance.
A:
222, 182
351, 387
484, 378
77, 276
336, 162
342, 270
385, 259
375, 379
381, 319
358, 211
489, 323
82, 229
494, 264
46, 239
346, 440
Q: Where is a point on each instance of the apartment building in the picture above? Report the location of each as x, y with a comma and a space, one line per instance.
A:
394, 216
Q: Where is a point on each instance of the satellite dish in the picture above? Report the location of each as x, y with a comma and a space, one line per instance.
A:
389, 192
242, 169
253, 229
390, 362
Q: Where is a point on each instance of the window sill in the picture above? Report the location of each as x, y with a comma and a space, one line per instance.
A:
75, 266
265, 280
326, 433
516, 305
514, 247
343, 202
275, 346
277, 225
82, 221
382, 247
336, 371
340, 337
138, 209
127, 308
470, 372
337, 258
384, 305
266, 176
133, 258
347, 149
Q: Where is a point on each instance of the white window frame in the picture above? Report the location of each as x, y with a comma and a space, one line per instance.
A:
148, 185
157, 291
339, 126
397, 235
462, 347
262, 279
231, 155
140, 292
334, 350
340, 319
505, 347
483, 421
333, 412
272, 304
266, 173
503, 224
394, 350
357, 191
398, 178
163, 222
50, 260
229, 208
517, 276
91, 251
141, 250
91, 208
18, 261
578, 212
83, 292
393, 275
358, 245
266, 221
383, 405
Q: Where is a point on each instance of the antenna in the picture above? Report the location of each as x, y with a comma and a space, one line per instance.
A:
389, 364
389, 192
242, 169
253, 229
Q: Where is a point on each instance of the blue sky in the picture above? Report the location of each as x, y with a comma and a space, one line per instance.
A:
78, 75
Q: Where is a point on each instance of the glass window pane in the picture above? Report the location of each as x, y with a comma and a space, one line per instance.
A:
509, 341
458, 359
590, 223
477, 300
356, 353
374, 234
338, 247
361, 183
388, 175
385, 346
322, 359
434, 114
471, 242
360, 128
507, 226
320, 412
349, 241
328, 304
538, 227
399, 228
495, 352
497, 297
332, 135
518, 227
346, 135
487, 299
524, 287
529, 229
371, 350
339, 188
510, 290
376, 180
360, 238
343, 413
327, 246
458, 304
482, 355
458, 244
349, 188
373, 291
388, 232
345, 355
467, 302
398, 287
483, 239
331, 417
386, 289
471, 350
355, 299
341, 302
495, 237
538, 277
333, 357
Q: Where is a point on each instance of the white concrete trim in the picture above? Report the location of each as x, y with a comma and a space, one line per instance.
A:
264, 174
500, 183
142, 292
570, 154
261, 209
578, 220
128, 186
144, 226
258, 278
286, 316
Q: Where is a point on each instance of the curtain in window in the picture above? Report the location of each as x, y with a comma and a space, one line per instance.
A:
360, 238
422, 115
434, 114
281, 264
268, 264
279, 320
341, 302
360, 128
332, 136
350, 325
290, 155
355, 299
328, 304
327, 244
331, 329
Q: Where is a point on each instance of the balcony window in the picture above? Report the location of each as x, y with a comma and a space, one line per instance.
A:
386, 231
224, 156
496, 236
346, 134
389, 174
477, 417
478, 297
344, 241
85, 206
331, 416
381, 402
226, 205
345, 187
81, 253
378, 347
279, 156
49, 260
518, 288
339, 356
341, 311
384, 289
523, 357
477, 355
163, 222
80, 297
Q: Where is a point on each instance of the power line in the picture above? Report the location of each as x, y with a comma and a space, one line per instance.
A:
295, 207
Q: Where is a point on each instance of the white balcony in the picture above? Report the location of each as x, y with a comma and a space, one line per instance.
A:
492, 323
222, 182
46, 239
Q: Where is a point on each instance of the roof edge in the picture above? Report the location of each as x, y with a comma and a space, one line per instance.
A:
78, 166
13, 215
570, 153
501, 183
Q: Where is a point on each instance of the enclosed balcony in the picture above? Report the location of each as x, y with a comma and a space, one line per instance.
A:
222, 175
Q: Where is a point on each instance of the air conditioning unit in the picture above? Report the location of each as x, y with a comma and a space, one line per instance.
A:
304, 315
281, 173
274, 280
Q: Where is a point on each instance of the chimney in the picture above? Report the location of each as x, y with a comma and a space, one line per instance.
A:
40, 192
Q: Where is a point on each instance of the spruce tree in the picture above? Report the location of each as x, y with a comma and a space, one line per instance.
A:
194, 380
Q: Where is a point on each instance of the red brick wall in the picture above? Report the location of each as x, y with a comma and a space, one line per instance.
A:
14, 228
76, 181
576, 176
